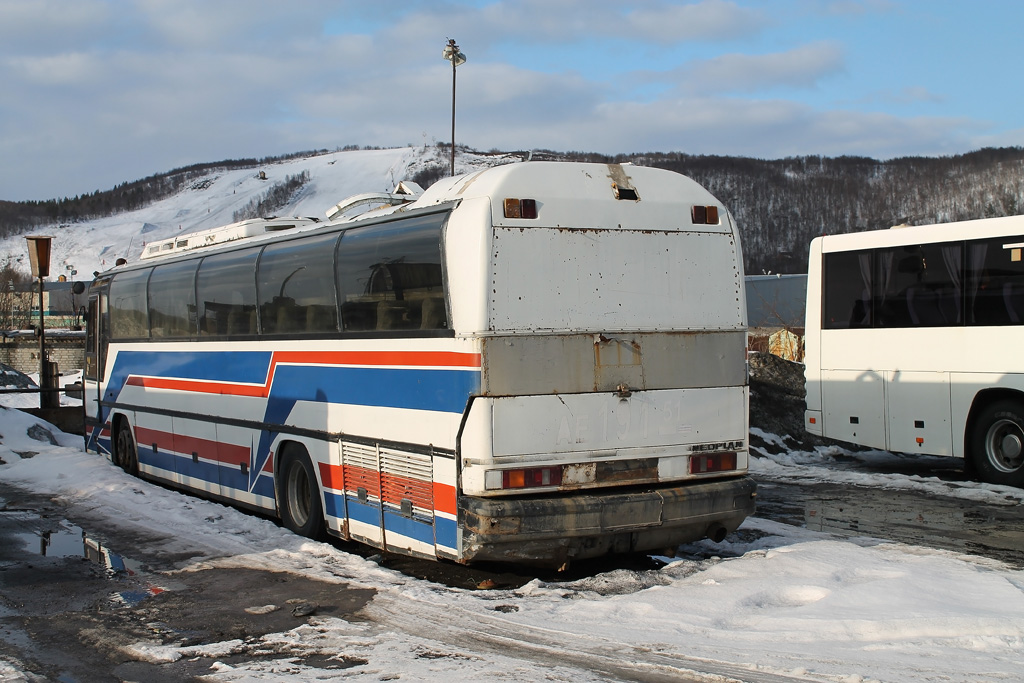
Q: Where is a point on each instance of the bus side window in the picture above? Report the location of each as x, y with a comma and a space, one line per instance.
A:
226, 294
295, 281
172, 300
919, 285
390, 276
995, 283
129, 318
847, 290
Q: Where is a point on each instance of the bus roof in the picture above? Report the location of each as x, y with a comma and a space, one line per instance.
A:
923, 234
586, 195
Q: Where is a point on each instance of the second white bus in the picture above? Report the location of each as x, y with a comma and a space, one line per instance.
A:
914, 339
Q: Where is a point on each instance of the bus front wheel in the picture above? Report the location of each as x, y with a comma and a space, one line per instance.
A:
997, 443
127, 456
301, 510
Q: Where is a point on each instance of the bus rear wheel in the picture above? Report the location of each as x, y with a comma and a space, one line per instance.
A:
997, 443
124, 449
301, 510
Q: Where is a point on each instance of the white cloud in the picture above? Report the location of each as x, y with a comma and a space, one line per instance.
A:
714, 20
68, 69
39, 26
907, 95
801, 67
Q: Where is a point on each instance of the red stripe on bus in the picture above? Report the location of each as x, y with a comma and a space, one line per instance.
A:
332, 476
360, 477
148, 437
396, 488
181, 444
446, 359
444, 498
424, 494
194, 386
212, 450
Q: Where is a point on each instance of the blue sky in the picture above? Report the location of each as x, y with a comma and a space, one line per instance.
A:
97, 92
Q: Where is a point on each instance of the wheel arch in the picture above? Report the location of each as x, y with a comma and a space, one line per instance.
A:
297, 450
984, 398
116, 420
281, 447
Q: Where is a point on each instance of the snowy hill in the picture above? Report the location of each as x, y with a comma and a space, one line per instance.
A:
779, 205
212, 200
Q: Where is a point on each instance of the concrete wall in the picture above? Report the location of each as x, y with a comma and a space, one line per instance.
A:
22, 353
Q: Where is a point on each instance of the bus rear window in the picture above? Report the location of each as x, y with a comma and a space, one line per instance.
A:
847, 278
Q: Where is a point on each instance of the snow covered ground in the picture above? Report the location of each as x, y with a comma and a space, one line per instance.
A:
772, 602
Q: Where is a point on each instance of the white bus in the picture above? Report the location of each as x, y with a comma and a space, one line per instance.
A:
914, 342
536, 363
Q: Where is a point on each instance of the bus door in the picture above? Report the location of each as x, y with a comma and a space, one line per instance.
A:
919, 412
96, 339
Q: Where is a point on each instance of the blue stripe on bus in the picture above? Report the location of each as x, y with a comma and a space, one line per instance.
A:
421, 531
228, 477
446, 532
160, 459
362, 512
413, 389
334, 505
231, 477
249, 367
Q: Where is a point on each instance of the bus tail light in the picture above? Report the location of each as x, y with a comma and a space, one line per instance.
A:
527, 478
712, 462
520, 208
704, 215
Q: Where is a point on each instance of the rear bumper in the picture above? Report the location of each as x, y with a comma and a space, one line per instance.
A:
555, 530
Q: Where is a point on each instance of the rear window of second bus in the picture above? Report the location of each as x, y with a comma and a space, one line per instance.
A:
847, 277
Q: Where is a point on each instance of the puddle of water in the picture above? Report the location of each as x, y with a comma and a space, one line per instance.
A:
995, 531
69, 540
64, 542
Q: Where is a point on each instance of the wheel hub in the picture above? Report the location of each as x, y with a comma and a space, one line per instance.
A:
1005, 446
1011, 446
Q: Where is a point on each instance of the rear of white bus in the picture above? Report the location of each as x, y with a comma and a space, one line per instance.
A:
609, 307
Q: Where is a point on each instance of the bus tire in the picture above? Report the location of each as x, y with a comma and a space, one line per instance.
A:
997, 443
127, 457
300, 506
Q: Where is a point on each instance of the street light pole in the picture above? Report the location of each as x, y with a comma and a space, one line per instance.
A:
39, 261
452, 54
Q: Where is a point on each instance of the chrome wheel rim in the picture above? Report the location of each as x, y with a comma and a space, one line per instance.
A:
1004, 445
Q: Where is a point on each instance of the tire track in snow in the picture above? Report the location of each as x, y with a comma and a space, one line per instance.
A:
458, 628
